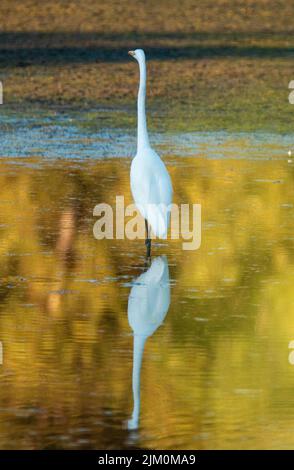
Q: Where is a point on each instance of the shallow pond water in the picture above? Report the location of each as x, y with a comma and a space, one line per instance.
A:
216, 366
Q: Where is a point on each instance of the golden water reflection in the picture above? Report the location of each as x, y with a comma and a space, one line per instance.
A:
215, 375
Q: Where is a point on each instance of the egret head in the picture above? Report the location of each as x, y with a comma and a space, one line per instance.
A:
138, 54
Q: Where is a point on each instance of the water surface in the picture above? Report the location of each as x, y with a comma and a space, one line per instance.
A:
215, 369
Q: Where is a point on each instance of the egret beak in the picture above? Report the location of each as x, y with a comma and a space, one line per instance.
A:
132, 53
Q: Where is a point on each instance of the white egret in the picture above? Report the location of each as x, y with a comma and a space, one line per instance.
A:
150, 182
148, 305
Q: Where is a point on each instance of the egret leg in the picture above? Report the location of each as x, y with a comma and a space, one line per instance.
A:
147, 241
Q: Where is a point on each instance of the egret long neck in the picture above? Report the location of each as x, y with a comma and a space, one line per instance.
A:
139, 342
143, 140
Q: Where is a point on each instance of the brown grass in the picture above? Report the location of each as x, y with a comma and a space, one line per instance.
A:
209, 55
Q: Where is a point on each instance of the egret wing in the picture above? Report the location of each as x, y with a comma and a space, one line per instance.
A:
152, 191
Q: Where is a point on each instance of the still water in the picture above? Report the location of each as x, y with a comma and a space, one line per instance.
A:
102, 350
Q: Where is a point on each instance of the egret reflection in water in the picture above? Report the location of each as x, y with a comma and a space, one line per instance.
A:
148, 305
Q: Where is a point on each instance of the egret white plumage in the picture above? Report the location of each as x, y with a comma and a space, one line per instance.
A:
148, 305
150, 182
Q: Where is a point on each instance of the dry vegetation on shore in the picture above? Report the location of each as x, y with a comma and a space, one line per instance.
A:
214, 61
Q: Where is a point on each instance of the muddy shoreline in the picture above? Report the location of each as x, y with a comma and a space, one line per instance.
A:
211, 66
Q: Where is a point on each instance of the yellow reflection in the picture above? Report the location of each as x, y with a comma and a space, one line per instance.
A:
221, 377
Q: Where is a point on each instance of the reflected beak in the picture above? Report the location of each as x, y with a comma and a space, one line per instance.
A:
132, 53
